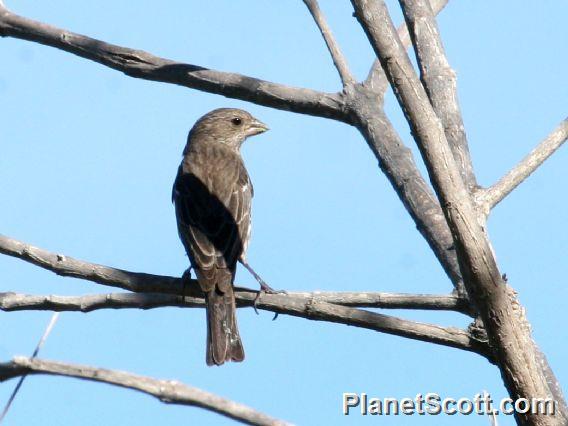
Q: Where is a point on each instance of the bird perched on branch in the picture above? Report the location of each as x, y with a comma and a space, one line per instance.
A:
212, 194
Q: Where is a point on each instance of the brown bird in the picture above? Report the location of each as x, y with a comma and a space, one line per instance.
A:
212, 194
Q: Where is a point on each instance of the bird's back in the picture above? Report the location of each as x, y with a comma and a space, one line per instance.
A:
213, 195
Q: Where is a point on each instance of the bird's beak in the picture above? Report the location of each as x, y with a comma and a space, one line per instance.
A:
256, 127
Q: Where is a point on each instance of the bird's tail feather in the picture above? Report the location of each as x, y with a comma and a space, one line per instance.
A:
223, 339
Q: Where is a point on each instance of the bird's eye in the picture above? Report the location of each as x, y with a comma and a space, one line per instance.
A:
236, 121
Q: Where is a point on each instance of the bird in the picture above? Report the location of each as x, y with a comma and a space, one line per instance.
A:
212, 195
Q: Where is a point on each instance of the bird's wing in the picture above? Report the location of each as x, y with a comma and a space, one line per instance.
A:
212, 196
240, 202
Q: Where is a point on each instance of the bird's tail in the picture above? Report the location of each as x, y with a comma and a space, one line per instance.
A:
223, 339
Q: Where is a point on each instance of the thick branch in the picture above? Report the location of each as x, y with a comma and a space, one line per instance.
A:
336, 55
168, 391
491, 196
300, 306
377, 78
25, 302
439, 80
507, 329
140, 64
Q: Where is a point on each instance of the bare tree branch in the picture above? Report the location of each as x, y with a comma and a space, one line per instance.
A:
303, 307
377, 78
69, 267
312, 309
507, 329
300, 306
147, 283
336, 55
140, 64
439, 80
87, 303
490, 197
322, 311
168, 391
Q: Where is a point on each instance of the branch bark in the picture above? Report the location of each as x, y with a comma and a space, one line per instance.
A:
25, 302
377, 78
397, 162
140, 64
336, 55
508, 331
168, 391
439, 80
490, 197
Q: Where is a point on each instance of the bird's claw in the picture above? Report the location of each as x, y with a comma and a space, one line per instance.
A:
255, 302
265, 288
269, 290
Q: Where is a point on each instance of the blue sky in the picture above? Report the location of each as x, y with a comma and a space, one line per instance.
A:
89, 156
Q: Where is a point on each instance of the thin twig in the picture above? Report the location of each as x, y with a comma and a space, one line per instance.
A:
491, 196
167, 391
40, 344
336, 55
140, 64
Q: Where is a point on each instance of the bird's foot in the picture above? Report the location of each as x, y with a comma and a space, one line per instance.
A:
265, 288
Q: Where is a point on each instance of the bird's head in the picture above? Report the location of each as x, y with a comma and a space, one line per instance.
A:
229, 126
